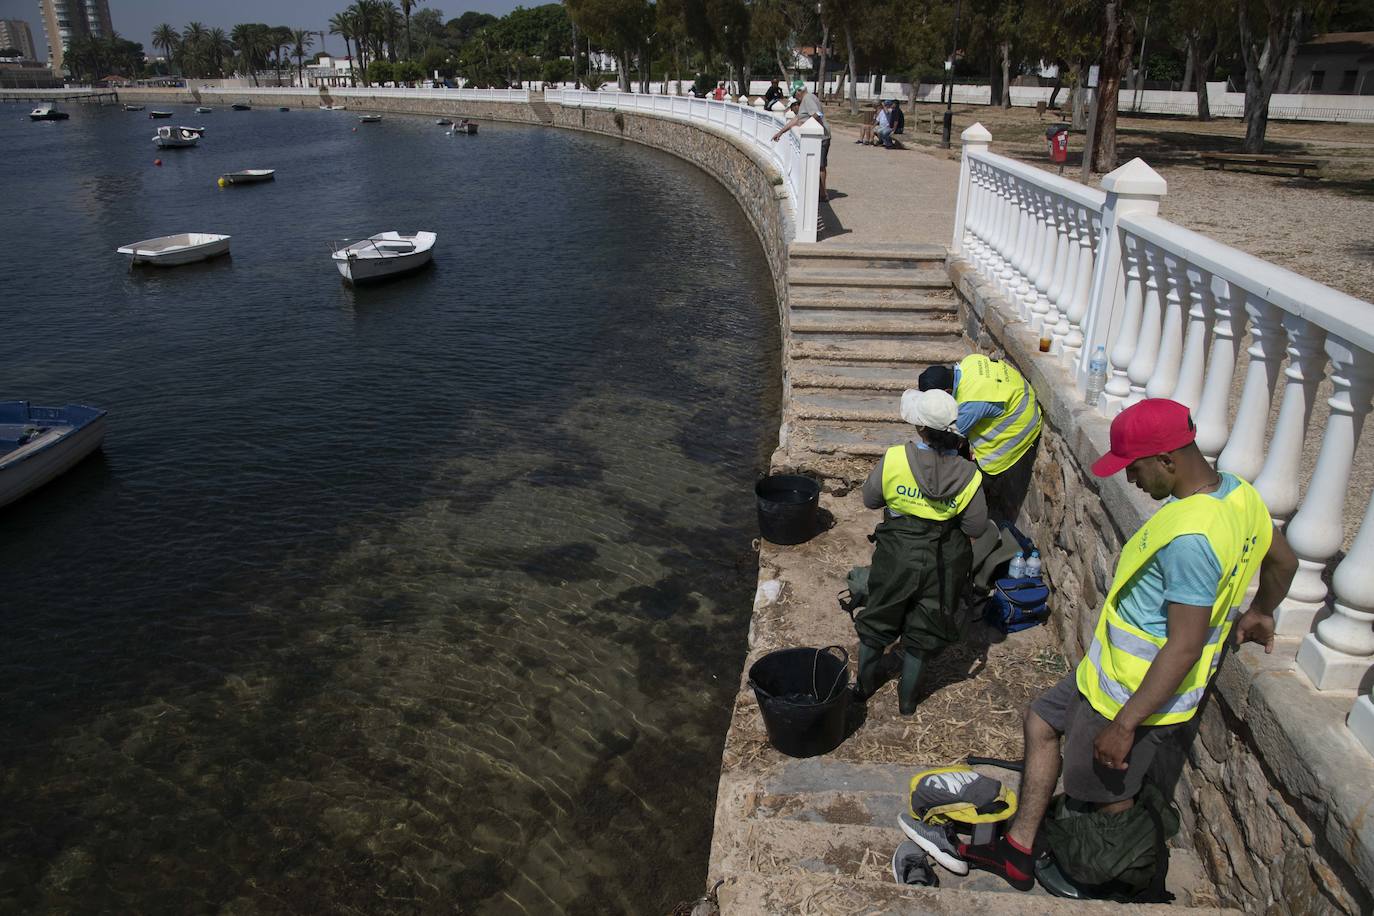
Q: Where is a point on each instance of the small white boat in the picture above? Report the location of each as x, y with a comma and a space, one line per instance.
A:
39, 443
172, 250
175, 137
464, 127
333, 107
369, 119
48, 111
203, 109
385, 254
247, 176
159, 114
133, 107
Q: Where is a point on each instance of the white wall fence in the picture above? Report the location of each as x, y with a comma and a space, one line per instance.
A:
467, 95
797, 155
1087, 268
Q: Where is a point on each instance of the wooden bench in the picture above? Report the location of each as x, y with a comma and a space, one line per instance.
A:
1299, 164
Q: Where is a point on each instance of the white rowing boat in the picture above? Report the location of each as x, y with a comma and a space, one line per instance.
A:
385, 254
172, 250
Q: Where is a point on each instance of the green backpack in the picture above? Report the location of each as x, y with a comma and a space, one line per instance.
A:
1122, 857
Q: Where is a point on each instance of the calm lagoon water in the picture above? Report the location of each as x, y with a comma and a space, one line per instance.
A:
428, 597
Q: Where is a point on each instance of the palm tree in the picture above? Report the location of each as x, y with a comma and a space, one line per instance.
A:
342, 25
193, 40
391, 24
280, 38
302, 40
217, 48
406, 7
252, 41
166, 38
364, 13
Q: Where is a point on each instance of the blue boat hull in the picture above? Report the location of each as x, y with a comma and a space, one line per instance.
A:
38, 444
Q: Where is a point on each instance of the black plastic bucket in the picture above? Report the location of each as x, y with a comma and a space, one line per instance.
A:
803, 696
788, 505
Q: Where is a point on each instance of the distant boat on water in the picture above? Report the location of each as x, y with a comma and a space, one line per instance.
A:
174, 250
133, 107
369, 119
48, 111
159, 114
386, 254
40, 443
464, 127
241, 106
177, 137
247, 176
203, 109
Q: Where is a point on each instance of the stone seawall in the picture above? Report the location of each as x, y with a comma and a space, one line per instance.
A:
312, 98
756, 185
1275, 793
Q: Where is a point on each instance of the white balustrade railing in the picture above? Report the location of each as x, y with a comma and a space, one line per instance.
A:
1173, 307
797, 155
383, 92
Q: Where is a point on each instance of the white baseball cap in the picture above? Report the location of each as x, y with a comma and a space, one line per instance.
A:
932, 409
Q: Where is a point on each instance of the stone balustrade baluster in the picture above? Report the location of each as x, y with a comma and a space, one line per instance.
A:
1015, 239
1340, 652
1228, 326
1066, 271
1244, 451
1142, 364
1191, 368
1060, 278
1277, 481
1030, 236
996, 213
1089, 231
1035, 261
987, 214
1041, 306
1164, 379
1118, 387
1317, 531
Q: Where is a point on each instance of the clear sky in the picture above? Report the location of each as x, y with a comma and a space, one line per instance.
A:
134, 19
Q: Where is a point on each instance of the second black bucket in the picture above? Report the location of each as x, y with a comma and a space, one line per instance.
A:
803, 696
788, 508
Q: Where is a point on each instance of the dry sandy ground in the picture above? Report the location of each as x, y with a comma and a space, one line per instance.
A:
1323, 229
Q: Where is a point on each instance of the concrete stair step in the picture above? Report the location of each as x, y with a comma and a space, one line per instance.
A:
807, 306
876, 327
859, 439
882, 257
753, 893
916, 353
845, 319
856, 406
893, 377
923, 278
814, 295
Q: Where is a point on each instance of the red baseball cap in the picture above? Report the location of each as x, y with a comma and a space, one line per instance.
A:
1151, 427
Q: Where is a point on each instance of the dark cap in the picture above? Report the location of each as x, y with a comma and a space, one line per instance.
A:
938, 377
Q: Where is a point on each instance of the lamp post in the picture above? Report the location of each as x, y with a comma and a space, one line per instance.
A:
948, 127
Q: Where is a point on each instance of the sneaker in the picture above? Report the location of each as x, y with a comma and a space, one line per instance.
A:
1002, 857
909, 866
934, 840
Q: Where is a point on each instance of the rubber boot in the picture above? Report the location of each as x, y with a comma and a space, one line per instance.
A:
867, 681
912, 665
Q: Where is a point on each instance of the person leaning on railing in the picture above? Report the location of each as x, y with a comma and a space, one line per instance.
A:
1174, 597
807, 107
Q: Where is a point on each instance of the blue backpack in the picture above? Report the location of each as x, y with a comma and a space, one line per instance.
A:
1016, 604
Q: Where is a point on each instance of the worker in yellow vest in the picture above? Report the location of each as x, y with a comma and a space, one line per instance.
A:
932, 502
1173, 601
1001, 420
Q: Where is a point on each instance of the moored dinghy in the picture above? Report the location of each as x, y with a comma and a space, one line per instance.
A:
172, 250
159, 114
241, 106
203, 109
133, 107
247, 176
177, 137
48, 111
369, 119
386, 254
39, 443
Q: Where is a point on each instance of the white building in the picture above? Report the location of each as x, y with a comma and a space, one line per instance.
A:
15, 33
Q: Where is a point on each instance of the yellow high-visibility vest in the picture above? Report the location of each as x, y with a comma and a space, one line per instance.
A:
903, 494
999, 442
1239, 529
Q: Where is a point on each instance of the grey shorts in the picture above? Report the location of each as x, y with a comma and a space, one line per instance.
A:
1068, 712
825, 152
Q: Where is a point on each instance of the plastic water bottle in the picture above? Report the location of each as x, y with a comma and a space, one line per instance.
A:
1097, 376
1017, 569
1033, 565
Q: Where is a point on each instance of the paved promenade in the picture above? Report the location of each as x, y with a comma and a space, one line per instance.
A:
887, 197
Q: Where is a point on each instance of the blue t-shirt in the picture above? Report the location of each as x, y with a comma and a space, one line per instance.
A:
1185, 571
970, 412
